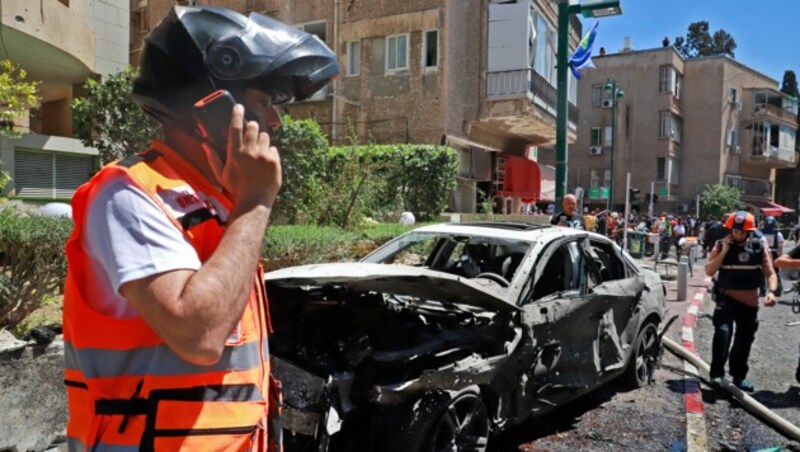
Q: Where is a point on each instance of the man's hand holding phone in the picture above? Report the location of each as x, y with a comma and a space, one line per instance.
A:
240, 154
253, 168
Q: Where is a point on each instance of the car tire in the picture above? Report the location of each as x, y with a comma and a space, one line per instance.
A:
642, 362
437, 421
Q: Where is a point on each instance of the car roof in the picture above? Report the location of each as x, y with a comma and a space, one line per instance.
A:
507, 230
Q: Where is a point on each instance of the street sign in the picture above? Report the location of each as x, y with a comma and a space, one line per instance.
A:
663, 192
598, 193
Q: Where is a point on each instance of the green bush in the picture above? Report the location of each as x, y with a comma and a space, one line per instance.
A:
285, 246
302, 146
383, 232
384, 179
32, 260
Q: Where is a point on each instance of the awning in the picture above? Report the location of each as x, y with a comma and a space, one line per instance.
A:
771, 209
527, 179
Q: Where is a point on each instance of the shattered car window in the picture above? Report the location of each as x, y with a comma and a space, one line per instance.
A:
462, 255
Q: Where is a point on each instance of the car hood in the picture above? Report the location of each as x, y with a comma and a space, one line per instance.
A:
397, 280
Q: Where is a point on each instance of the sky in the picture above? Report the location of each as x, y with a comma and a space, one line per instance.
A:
766, 31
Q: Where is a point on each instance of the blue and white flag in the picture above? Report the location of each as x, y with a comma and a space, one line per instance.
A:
583, 54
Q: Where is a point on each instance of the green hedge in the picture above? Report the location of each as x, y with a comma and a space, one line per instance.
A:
289, 245
32, 260
342, 186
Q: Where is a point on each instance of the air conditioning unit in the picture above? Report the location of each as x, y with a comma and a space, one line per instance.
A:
683, 208
595, 150
607, 103
737, 149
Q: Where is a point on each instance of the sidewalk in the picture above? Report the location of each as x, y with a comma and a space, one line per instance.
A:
682, 331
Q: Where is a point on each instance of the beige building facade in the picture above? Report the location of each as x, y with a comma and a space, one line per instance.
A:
478, 75
681, 125
61, 44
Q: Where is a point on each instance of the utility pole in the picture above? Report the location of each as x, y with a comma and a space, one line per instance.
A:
616, 92
589, 8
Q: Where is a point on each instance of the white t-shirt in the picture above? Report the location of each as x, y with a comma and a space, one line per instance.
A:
128, 237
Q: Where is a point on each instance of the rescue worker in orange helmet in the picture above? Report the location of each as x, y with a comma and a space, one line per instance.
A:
740, 262
165, 313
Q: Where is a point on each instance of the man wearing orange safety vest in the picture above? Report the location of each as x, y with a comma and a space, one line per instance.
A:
165, 313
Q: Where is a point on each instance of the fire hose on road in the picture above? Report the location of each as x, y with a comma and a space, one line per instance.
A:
751, 404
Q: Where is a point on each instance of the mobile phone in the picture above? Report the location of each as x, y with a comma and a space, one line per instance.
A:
212, 115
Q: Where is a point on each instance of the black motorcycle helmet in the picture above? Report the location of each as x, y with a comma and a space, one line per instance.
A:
195, 51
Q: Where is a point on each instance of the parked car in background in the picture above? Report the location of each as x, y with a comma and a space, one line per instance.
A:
453, 332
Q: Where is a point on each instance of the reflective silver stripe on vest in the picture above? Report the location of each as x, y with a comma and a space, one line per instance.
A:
740, 267
158, 360
76, 445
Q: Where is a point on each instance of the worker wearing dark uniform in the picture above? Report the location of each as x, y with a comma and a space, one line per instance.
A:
738, 260
791, 260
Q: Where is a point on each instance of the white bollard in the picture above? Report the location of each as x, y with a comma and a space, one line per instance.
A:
683, 278
655, 249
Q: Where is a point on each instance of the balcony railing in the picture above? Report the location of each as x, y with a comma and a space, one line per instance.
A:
511, 84
774, 111
780, 154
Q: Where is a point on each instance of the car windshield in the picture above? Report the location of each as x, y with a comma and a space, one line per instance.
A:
469, 256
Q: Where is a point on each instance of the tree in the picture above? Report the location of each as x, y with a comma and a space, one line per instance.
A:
17, 96
720, 199
789, 84
700, 42
108, 119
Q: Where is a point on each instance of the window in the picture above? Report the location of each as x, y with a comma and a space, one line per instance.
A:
608, 264
596, 138
674, 171
597, 95
396, 53
661, 168
608, 135
353, 57
599, 178
430, 46
733, 94
663, 124
678, 86
666, 77
676, 128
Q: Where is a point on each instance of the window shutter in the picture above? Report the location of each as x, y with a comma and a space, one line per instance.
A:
71, 173
33, 174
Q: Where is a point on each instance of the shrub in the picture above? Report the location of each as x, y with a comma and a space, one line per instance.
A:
285, 246
302, 145
32, 261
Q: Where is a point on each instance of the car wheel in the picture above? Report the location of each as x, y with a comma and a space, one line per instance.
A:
642, 363
438, 421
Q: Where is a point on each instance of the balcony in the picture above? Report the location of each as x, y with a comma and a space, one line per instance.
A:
521, 110
772, 157
771, 105
750, 188
527, 83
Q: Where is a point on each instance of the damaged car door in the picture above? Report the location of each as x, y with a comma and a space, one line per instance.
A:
615, 294
560, 326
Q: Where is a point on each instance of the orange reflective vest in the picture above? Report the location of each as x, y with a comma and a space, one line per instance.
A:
125, 388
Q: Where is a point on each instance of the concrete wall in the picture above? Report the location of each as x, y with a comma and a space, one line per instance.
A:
110, 22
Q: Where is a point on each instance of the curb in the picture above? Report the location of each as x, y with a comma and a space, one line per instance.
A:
696, 437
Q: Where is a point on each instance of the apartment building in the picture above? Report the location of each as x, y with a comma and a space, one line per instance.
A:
682, 124
60, 43
478, 75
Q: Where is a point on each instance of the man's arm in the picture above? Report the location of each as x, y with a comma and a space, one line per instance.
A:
772, 279
718, 253
194, 312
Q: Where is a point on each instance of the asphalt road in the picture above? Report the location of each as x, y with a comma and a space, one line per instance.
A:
654, 418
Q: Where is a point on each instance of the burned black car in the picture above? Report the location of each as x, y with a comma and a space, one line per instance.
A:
453, 332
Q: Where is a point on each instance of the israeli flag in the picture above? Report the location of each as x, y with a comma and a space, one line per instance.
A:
583, 54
